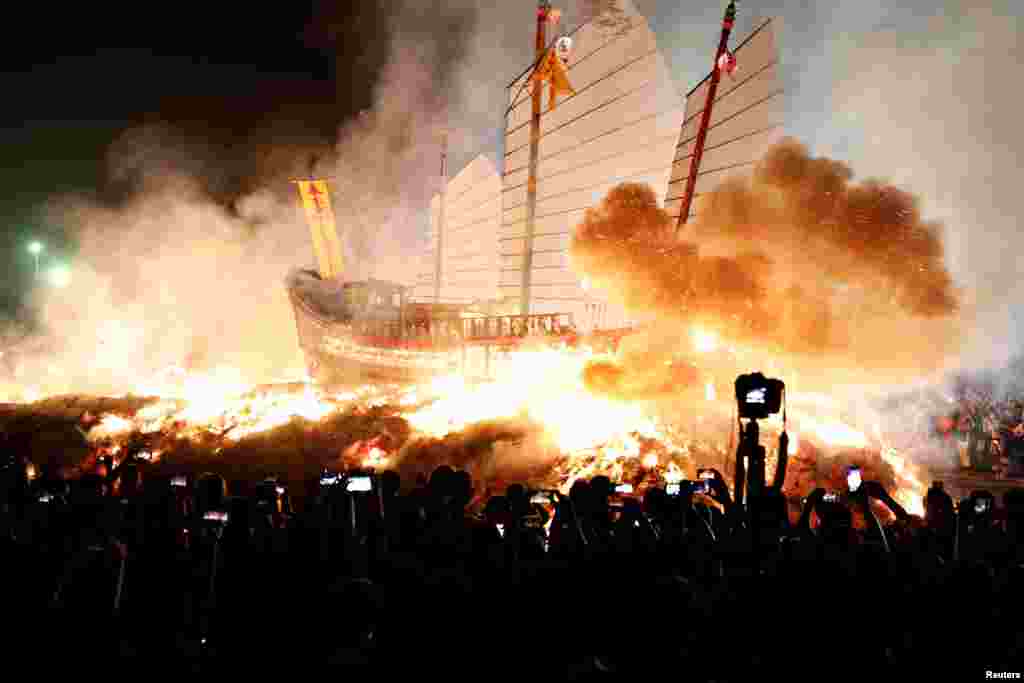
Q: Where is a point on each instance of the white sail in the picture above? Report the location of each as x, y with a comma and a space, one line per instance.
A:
469, 259
746, 120
621, 125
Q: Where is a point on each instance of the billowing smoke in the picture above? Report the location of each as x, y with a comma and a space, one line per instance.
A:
961, 59
170, 278
387, 161
797, 257
856, 234
177, 267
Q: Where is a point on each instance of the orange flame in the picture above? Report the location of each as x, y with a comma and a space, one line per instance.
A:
594, 434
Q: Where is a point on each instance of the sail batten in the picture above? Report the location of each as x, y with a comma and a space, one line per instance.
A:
469, 250
621, 125
746, 119
625, 122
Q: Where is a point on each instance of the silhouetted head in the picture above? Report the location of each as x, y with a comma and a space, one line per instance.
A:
211, 490
517, 500
390, 482
654, 501
496, 510
938, 509
441, 482
580, 495
515, 492
601, 489
463, 488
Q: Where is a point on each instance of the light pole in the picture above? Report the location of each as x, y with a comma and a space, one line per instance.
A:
36, 248
60, 276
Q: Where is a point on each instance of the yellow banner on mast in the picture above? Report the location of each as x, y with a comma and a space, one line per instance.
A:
316, 201
553, 70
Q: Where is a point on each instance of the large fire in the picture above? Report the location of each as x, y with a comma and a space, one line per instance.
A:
580, 434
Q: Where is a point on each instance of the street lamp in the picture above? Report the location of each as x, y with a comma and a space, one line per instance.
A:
60, 276
36, 248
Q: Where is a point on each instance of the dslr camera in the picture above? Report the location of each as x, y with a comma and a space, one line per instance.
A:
758, 396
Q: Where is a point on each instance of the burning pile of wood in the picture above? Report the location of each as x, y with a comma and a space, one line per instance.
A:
70, 432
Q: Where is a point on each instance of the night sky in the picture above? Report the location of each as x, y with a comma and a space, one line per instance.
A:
229, 77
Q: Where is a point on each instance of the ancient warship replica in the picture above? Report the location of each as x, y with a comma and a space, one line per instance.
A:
497, 275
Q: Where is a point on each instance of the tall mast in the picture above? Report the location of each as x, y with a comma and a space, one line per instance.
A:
705, 118
543, 7
439, 255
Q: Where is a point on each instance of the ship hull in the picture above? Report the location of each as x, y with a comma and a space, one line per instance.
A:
334, 355
346, 352
345, 369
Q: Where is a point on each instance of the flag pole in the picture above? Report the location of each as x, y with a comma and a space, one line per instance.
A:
439, 242
705, 118
543, 8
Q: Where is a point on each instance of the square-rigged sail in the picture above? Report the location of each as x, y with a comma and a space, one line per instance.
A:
746, 119
472, 219
619, 126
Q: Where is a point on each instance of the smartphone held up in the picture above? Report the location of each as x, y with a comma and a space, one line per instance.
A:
853, 479
359, 484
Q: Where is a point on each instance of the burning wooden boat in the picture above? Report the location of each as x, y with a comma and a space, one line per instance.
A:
371, 329
498, 276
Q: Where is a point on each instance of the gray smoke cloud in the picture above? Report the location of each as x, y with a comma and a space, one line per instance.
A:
938, 113
173, 275
932, 107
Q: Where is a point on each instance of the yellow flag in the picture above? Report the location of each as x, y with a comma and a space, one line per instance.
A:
317, 202
559, 79
552, 70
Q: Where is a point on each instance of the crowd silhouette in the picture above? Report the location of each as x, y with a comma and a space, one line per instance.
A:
129, 562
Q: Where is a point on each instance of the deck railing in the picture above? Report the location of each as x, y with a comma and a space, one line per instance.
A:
443, 331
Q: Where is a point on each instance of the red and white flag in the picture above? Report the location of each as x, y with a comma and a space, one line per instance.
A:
727, 63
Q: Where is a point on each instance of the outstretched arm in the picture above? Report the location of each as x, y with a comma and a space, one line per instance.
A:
741, 472
863, 498
877, 491
720, 493
804, 525
780, 470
